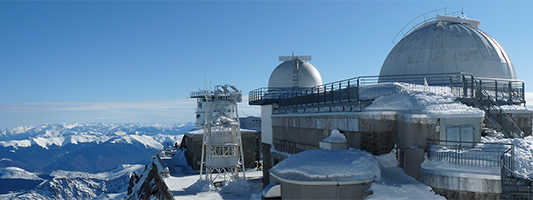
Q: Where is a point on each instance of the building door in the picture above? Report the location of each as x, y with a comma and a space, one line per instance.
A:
460, 133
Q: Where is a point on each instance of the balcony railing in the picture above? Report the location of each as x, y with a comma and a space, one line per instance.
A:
367, 88
467, 153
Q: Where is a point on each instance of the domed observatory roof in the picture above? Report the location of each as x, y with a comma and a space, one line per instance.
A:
449, 45
294, 72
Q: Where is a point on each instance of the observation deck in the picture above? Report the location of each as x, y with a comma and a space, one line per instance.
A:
463, 86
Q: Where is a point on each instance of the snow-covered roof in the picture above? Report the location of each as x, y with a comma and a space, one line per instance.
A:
516, 109
315, 167
335, 137
436, 101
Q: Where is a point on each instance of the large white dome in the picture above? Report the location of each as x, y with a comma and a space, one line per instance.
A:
449, 45
283, 76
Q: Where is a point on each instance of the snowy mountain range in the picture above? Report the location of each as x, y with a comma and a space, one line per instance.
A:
85, 147
78, 161
16, 183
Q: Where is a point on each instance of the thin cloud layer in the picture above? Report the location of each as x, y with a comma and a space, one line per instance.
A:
157, 111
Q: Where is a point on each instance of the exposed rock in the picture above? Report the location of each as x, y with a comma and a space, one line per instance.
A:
148, 185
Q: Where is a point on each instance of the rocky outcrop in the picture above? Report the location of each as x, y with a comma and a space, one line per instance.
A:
148, 185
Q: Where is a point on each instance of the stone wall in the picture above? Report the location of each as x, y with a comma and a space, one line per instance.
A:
251, 147
371, 132
415, 131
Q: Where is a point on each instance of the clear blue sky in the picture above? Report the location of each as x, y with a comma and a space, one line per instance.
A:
136, 61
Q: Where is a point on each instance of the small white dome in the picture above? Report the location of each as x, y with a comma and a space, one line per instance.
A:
283, 77
449, 45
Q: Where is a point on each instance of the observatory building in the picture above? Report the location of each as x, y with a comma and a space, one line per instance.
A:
295, 72
449, 44
465, 71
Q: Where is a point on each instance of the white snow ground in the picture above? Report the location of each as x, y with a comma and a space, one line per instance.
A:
394, 184
523, 153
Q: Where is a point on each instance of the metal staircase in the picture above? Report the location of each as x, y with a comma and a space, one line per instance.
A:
496, 115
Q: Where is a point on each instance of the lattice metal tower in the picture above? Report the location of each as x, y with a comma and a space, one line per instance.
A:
222, 155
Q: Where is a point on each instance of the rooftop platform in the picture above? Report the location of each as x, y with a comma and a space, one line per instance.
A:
355, 91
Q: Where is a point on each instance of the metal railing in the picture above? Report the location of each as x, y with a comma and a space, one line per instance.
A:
367, 88
421, 20
467, 153
497, 116
220, 93
501, 90
513, 185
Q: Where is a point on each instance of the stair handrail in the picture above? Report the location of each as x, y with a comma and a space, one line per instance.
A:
505, 124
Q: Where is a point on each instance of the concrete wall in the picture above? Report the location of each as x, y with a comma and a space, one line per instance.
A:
323, 191
375, 132
463, 185
415, 130
293, 191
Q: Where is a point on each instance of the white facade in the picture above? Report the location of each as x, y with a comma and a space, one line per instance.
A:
266, 124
